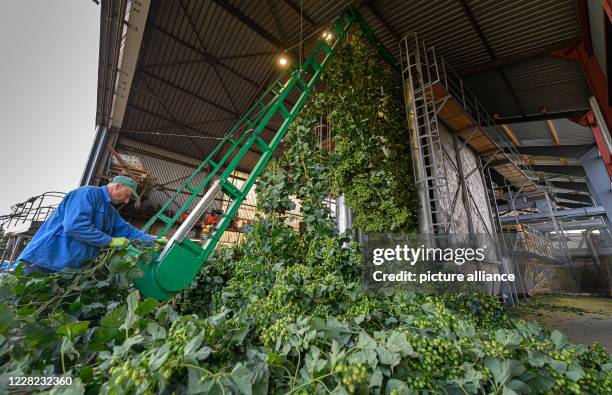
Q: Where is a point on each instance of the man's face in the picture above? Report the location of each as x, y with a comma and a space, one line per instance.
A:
119, 193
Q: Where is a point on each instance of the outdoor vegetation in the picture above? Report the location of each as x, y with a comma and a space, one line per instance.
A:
285, 312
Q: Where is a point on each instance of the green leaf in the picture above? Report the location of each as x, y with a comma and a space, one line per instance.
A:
399, 386
519, 386
156, 331
198, 382
503, 371
508, 338
203, 353
508, 391
159, 357
86, 374
132, 305
67, 349
376, 379
575, 372
241, 378
388, 357
189, 351
397, 342
365, 350
559, 366
558, 339
73, 329
537, 358
146, 307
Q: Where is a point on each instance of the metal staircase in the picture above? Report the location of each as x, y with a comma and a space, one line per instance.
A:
181, 260
419, 75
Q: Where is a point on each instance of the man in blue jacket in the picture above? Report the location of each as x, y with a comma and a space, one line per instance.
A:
83, 223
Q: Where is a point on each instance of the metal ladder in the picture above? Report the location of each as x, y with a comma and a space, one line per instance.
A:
420, 73
181, 259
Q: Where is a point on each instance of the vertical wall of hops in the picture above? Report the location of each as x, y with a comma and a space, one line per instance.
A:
370, 163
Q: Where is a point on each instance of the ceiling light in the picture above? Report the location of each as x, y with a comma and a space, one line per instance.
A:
283, 61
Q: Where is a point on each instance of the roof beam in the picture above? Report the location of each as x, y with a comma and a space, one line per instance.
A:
552, 129
182, 125
516, 58
301, 13
173, 120
188, 92
607, 6
589, 211
568, 170
566, 151
508, 131
277, 22
573, 205
206, 57
203, 49
468, 12
196, 61
245, 19
542, 117
382, 20
574, 197
572, 186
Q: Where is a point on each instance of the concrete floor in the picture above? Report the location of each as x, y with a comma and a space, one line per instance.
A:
582, 319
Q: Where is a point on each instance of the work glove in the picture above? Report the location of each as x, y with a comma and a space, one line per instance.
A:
119, 242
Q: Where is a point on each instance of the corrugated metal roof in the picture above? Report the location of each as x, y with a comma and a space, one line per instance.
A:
178, 92
541, 82
531, 134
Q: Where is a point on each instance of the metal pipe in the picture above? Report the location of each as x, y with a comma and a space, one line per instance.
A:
464, 195
417, 159
191, 220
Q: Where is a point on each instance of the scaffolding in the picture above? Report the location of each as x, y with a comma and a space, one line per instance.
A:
18, 227
436, 96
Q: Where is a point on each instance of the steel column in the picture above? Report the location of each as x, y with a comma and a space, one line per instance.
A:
598, 182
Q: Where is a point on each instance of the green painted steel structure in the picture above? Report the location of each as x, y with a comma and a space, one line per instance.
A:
182, 259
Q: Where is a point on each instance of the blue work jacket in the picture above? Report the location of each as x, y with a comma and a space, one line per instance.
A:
83, 223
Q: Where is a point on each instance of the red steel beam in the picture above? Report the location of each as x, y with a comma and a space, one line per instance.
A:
604, 152
582, 53
607, 6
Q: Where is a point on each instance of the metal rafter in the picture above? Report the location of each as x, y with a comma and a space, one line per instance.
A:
301, 13
173, 125
382, 20
489, 49
570, 185
575, 197
171, 117
277, 22
245, 19
204, 50
196, 61
568, 170
207, 58
543, 116
516, 58
179, 124
188, 92
568, 151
